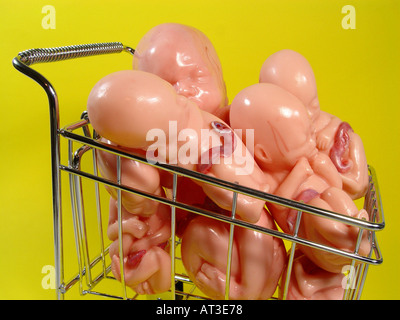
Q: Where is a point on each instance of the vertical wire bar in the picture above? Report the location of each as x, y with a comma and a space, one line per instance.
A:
291, 257
370, 207
366, 267
99, 216
353, 262
86, 132
363, 273
364, 276
350, 280
75, 220
229, 256
121, 252
359, 272
82, 228
173, 232
57, 221
352, 287
55, 170
55, 173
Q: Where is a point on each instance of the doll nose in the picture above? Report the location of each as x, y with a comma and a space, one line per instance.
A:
184, 89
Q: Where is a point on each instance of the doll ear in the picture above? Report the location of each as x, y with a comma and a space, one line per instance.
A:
261, 155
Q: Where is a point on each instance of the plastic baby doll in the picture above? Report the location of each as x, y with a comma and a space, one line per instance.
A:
285, 148
186, 58
257, 259
291, 71
147, 263
134, 108
145, 225
309, 282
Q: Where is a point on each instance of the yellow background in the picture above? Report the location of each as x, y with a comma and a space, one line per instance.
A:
357, 74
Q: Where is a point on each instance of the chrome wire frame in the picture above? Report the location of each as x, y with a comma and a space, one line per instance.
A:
359, 264
89, 143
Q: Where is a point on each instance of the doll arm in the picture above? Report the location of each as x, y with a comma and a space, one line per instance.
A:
326, 170
326, 135
130, 223
289, 189
290, 186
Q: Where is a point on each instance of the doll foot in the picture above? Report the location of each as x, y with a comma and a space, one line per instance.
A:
211, 281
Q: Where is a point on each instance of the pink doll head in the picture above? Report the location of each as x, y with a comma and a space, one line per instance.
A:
283, 131
291, 71
125, 105
186, 58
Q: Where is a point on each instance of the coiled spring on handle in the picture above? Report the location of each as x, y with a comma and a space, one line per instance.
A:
32, 56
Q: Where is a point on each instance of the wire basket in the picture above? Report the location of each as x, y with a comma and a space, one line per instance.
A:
89, 214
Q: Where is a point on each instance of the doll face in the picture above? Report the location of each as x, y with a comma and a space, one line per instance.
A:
287, 138
283, 131
298, 143
185, 58
292, 72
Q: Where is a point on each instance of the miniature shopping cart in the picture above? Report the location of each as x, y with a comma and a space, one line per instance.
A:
87, 210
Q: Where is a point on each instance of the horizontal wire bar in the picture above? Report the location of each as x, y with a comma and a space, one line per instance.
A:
368, 225
223, 218
190, 295
103, 294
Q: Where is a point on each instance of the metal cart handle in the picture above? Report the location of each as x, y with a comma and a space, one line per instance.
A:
32, 56
22, 63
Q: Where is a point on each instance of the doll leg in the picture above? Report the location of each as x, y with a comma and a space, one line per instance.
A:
204, 255
256, 265
262, 259
332, 233
337, 200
